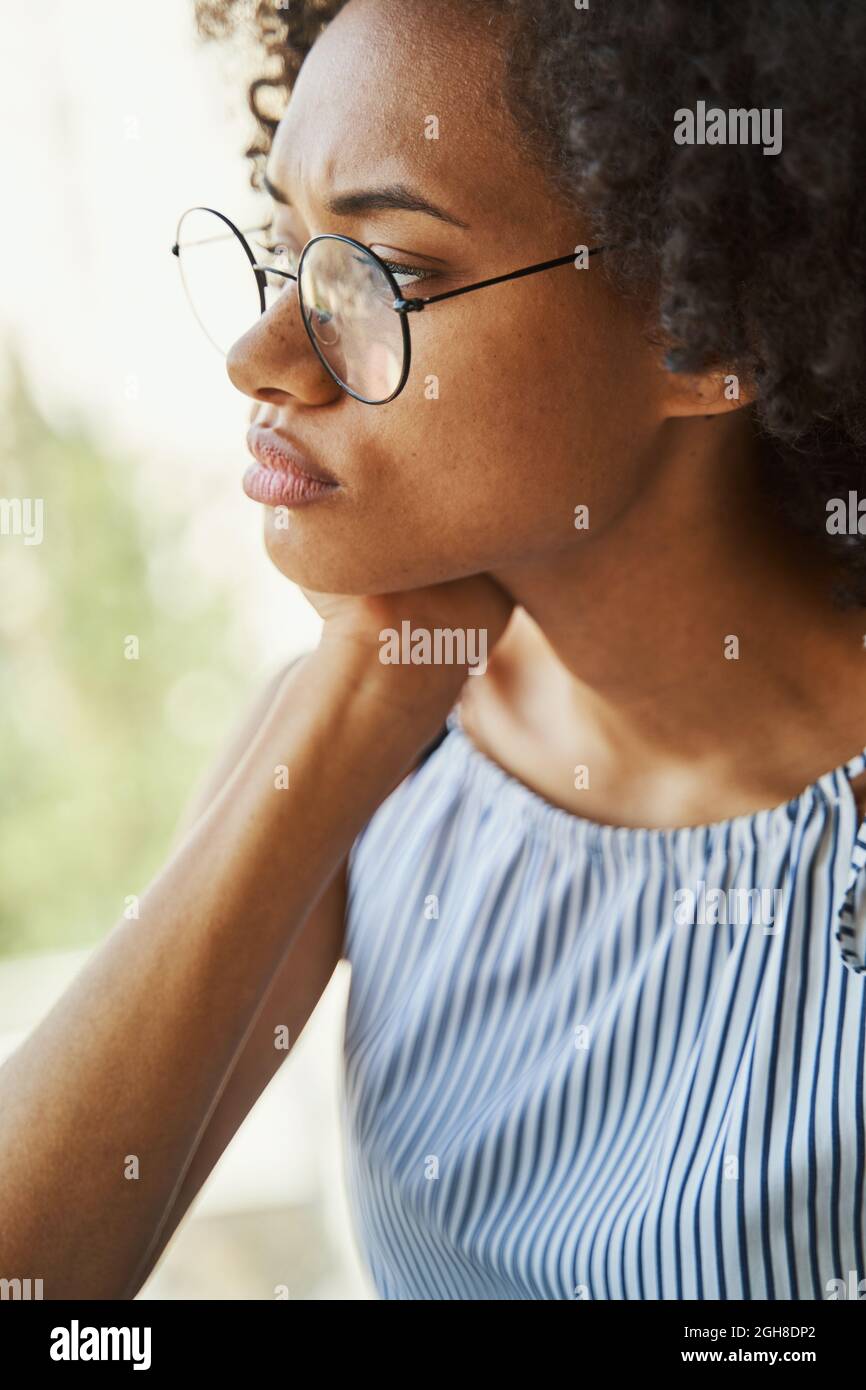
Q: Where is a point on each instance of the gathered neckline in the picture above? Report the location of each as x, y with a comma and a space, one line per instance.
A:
557, 819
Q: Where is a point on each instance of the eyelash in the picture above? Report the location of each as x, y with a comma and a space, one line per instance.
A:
416, 271
396, 268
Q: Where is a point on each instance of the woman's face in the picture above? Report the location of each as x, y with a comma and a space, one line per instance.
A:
524, 399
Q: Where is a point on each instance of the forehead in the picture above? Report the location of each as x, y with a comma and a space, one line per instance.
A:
381, 81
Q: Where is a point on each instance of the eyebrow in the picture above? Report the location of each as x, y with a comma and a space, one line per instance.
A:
394, 196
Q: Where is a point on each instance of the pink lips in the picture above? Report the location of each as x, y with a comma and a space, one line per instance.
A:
281, 476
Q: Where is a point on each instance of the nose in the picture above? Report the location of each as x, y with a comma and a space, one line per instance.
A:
274, 361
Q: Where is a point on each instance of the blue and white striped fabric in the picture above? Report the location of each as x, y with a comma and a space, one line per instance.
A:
554, 1089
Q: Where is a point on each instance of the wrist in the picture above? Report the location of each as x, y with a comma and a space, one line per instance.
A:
418, 693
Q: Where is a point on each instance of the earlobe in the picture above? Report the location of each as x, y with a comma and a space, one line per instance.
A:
708, 393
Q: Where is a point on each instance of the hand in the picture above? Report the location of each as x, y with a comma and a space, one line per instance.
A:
477, 603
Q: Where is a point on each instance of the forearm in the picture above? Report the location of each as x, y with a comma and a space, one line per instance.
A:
121, 1077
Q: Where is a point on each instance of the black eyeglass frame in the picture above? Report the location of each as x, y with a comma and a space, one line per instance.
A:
402, 305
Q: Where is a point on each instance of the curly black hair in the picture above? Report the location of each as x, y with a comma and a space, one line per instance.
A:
755, 261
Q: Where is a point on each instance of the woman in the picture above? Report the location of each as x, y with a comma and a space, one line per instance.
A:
607, 1012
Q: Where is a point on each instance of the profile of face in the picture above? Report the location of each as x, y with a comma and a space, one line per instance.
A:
524, 400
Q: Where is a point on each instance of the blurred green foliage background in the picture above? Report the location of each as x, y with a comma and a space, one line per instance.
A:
96, 761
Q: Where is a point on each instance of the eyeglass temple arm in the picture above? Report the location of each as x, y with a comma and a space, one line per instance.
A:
220, 236
414, 305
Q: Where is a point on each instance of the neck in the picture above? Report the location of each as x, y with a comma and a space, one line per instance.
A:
697, 618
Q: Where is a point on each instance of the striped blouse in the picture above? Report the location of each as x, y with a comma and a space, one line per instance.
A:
584, 1061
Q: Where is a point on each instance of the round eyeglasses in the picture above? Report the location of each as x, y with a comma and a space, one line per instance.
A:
351, 305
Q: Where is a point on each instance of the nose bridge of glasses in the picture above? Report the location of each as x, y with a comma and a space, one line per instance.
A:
273, 270
275, 278
291, 317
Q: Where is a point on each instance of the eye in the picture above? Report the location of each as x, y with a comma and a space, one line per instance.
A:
407, 273
281, 256
410, 273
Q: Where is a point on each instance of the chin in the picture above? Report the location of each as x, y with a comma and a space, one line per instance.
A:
326, 565
299, 562
325, 568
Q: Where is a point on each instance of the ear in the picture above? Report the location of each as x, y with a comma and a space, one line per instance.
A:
715, 392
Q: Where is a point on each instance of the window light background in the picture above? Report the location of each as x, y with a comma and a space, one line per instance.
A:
115, 118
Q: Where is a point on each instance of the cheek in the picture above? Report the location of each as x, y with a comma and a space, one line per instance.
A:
523, 425
502, 430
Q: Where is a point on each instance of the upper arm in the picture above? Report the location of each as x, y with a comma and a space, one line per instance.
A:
288, 1002
291, 997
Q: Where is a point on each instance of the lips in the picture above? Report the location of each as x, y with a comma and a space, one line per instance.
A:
281, 474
